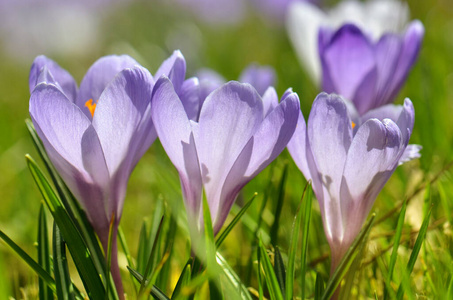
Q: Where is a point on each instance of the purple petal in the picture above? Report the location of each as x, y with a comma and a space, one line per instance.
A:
389, 111
174, 68
388, 51
118, 118
260, 77
402, 115
175, 134
372, 158
411, 152
209, 81
270, 100
411, 47
60, 75
74, 148
330, 135
348, 66
406, 120
99, 76
266, 144
298, 147
190, 97
228, 119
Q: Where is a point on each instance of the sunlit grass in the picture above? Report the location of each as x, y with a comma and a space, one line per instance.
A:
149, 35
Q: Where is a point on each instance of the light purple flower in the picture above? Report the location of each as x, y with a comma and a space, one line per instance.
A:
368, 73
95, 135
349, 159
236, 135
375, 17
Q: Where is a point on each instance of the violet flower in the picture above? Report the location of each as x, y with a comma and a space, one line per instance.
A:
95, 135
236, 135
368, 73
375, 17
349, 159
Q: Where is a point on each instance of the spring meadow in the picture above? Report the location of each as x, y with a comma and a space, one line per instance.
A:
227, 149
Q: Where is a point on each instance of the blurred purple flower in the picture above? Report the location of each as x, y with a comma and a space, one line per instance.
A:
236, 135
367, 73
375, 18
96, 135
216, 12
349, 159
276, 9
260, 77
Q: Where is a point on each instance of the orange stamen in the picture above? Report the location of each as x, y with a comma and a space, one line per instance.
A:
352, 123
91, 106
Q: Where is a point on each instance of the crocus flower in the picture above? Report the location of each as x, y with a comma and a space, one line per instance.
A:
349, 159
95, 135
374, 17
236, 135
368, 73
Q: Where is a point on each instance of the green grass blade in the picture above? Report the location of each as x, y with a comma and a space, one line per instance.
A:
260, 280
109, 255
124, 246
142, 253
293, 245
158, 294
183, 280
278, 209
60, 266
233, 223
233, 278
398, 233
347, 260
126, 251
415, 251
4, 282
279, 269
164, 275
450, 289
43, 254
151, 262
210, 247
319, 287
43, 274
155, 291
79, 252
304, 247
208, 234
269, 274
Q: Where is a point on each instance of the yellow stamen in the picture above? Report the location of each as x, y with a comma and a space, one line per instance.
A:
91, 106
352, 123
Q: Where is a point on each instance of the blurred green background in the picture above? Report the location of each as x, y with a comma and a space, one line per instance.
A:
149, 31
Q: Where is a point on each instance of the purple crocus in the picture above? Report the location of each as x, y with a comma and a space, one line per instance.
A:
349, 159
368, 73
95, 135
237, 134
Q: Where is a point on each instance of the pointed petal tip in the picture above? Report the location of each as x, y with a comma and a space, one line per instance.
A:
416, 26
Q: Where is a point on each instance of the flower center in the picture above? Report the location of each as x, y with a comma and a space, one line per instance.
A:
92, 106
352, 123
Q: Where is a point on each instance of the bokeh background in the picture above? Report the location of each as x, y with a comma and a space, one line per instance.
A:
225, 36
